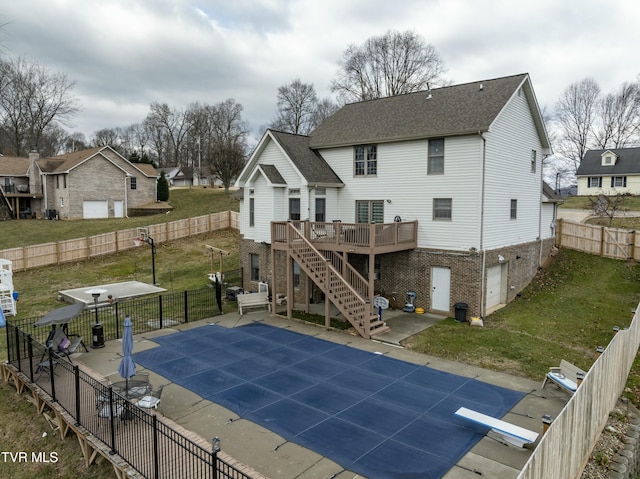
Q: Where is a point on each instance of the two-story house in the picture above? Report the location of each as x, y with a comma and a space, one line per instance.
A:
94, 183
609, 172
438, 192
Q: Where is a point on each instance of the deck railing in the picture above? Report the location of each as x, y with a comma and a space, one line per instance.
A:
357, 235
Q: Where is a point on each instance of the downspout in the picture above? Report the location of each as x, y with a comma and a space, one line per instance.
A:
481, 244
126, 196
540, 216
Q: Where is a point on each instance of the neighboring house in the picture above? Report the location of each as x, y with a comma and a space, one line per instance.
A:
170, 173
95, 183
437, 192
609, 172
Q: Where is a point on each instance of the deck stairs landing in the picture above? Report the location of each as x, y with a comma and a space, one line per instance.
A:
344, 295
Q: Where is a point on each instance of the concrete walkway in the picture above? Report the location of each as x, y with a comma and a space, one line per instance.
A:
276, 458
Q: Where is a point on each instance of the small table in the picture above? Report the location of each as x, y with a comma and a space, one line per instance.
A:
133, 388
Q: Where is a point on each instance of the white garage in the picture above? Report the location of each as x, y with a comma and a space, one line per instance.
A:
95, 209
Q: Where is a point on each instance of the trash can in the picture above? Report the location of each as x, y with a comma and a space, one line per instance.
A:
461, 312
98, 336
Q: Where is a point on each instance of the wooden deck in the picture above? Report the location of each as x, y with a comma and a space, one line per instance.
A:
357, 238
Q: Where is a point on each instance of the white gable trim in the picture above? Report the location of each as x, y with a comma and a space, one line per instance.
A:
248, 173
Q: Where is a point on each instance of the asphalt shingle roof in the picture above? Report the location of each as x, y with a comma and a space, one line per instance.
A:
311, 165
451, 110
628, 163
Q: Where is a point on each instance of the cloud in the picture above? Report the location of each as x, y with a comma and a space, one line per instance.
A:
125, 54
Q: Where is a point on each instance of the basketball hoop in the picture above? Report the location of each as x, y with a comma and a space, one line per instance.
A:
138, 241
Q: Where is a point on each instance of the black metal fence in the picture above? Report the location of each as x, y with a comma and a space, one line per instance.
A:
149, 445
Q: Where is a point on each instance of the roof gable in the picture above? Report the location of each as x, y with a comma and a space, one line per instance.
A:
309, 164
452, 110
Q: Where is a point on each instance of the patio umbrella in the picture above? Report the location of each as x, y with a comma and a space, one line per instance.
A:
60, 315
127, 367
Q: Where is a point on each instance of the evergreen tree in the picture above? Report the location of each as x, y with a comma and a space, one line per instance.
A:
163, 188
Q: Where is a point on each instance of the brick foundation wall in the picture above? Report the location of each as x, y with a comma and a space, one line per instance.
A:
411, 271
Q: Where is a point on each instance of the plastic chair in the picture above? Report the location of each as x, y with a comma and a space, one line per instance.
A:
152, 400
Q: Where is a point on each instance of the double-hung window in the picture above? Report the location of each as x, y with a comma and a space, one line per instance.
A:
435, 161
594, 182
618, 182
366, 160
134, 183
442, 209
370, 211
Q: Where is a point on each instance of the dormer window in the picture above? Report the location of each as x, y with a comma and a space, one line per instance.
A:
609, 158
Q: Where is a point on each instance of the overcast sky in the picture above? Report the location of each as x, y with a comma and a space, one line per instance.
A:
125, 54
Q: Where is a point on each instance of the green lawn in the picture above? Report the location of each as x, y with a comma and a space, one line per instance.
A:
187, 203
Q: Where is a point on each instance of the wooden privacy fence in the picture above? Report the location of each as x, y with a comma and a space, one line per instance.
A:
565, 448
609, 242
35, 256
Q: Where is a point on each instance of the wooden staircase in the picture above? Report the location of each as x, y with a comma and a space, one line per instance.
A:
323, 272
6, 212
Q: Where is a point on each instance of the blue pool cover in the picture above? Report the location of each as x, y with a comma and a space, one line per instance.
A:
372, 414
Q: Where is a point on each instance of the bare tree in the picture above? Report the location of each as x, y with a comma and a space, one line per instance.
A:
297, 103
387, 65
607, 206
324, 109
175, 124
618, 115
32, 99
75, 142
575, 114
228, 141
106, 137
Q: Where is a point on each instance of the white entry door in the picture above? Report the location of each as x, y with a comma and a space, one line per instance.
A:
118, 209
440, 288
496, 290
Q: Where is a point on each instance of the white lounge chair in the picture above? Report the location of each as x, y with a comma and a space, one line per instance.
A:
565, 376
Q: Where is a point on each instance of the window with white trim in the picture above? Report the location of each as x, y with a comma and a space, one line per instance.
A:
618, 182
514, 209
252, 212
594, 182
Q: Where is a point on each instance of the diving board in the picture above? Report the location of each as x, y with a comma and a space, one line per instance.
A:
516, 435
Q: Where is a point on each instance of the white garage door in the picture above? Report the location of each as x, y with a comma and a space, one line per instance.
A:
495, 286
95, 209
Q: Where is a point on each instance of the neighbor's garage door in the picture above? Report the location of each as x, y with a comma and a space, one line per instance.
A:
95, 209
